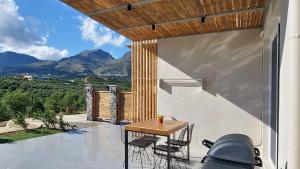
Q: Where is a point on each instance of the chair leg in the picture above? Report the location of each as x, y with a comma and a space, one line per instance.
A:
185, 151
184, 161
133, 153
137, 153
178, 163
147, 155
160, 162
140, 153
154, 161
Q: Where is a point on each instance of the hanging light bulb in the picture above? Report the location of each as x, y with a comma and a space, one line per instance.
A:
129, 8
153, 26
203, 19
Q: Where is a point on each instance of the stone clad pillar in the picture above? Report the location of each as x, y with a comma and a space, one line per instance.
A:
114, 99
89, 100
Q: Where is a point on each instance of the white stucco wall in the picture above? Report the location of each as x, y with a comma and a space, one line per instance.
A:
283, 12
230, 99
270, 31
289, 107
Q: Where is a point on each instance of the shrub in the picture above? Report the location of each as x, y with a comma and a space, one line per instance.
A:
19, 106
48, 118
54, 102
62, 125
72, 102
4, 116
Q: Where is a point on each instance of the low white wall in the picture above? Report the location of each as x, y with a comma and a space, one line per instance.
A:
230, 101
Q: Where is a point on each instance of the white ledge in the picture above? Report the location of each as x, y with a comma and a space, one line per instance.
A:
182, 82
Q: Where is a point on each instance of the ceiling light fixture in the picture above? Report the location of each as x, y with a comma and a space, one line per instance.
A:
203, 19
153, 26
129, 8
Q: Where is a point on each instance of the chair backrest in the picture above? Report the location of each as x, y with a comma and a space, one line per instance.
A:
182, 135
191, 132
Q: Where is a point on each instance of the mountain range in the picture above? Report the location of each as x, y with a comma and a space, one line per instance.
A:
86, 63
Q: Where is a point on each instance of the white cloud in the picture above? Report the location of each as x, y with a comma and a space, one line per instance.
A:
98, 34
16, 36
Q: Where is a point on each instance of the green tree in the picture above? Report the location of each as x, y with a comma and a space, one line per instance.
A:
37, 105
19, 106
4, 116
62, 125
73, 102
54, 102
46, 116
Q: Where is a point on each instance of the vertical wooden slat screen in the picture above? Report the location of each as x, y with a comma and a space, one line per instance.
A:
144, 79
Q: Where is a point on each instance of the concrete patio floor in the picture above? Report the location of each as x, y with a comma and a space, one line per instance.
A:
98, 147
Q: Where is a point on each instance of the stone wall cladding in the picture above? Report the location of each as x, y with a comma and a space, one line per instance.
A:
90, 102
112, 105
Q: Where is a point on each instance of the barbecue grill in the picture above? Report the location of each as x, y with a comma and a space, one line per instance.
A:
233, 151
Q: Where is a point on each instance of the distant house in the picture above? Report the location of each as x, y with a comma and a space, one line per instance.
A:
27, 77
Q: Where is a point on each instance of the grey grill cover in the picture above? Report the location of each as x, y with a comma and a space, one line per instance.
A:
233, 150
211, 163
240, 137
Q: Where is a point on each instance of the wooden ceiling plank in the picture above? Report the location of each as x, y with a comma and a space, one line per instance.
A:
174, 17
197, 18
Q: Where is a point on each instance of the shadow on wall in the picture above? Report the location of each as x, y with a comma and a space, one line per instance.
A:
283, 24
229, 64
4, 141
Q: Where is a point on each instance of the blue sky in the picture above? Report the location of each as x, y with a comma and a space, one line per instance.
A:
49, 29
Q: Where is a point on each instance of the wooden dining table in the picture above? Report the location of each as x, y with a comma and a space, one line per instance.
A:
154, 127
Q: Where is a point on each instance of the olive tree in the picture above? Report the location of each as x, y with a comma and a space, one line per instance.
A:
4, 116
54, 102
48, 117
72, 102
19, 106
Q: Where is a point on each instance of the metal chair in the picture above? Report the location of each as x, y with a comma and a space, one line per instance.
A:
183, 143
137, 146
177, 142
163, 149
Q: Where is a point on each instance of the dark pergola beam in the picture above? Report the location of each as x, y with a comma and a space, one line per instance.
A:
196, 18
118, 8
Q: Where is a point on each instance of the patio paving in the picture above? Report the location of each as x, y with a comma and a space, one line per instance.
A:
97, 147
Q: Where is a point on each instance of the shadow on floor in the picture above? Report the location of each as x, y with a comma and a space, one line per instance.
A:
4, 141
76, 131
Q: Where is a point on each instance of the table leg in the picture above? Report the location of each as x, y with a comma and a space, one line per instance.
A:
188, 145
168, 155
126, 149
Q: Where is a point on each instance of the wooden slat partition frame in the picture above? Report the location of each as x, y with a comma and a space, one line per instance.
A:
173, 17
144, 79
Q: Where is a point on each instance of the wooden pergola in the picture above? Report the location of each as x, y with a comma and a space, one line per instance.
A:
145, 21
153, 19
